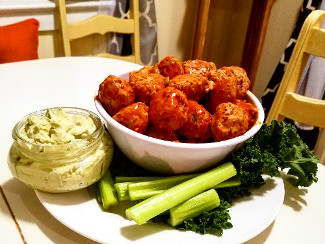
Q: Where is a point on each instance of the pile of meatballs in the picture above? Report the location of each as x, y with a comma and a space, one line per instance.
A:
190, 101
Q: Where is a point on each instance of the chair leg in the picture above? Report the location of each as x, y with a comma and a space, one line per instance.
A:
320, 146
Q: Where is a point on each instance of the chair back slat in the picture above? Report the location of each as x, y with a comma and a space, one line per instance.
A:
316, 43
98, 25
304, 109
288, 104
101, 24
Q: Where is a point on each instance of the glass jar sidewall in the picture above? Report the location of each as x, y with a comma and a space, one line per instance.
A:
54, 181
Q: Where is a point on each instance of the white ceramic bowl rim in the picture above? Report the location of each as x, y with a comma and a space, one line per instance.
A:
220, 144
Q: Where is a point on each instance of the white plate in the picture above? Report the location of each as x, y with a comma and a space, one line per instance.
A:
80, 212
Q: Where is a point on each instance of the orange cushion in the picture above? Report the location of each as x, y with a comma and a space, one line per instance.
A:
19, 41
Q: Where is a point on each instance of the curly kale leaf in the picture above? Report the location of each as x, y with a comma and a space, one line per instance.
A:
214, 221
276, 146
292, 152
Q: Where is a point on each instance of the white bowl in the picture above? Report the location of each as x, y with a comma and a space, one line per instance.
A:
168, 157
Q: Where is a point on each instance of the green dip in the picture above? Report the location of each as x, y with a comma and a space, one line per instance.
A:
60, 149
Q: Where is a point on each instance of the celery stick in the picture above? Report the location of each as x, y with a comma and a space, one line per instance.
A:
228, 183
107, 190
193, 207
122, 182
120, 179
141, 195
159, 203
157, 186
122, 190
146, 189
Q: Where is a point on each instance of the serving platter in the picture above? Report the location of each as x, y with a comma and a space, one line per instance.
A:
80, 212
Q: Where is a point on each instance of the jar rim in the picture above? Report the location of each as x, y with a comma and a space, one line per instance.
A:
69, 110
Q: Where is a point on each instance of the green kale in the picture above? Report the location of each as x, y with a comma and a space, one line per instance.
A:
275, 147
282, 148
214, 221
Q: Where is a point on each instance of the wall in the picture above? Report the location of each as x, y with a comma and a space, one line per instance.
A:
49, 44
281, 24
176, 22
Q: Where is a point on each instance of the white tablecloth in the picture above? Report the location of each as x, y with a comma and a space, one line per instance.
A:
33, 85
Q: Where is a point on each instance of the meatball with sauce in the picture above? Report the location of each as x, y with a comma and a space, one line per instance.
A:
168, 109
194, 86
146, 70
199, 67
115, 93
197, 126
146, 85
229, 121
243, 82
250, 109
167, 135
170, 67
155, 69
225, 88
134, 117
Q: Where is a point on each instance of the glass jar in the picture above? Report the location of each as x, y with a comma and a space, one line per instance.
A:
60, 167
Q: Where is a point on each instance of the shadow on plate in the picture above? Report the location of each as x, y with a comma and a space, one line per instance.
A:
294, 196
67, 198
136, 232
260, 238
268, 186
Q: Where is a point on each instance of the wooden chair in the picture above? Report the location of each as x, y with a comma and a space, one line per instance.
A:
287, 103
102, 24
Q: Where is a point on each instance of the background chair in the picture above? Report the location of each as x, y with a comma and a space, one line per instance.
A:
102, 24
287, 103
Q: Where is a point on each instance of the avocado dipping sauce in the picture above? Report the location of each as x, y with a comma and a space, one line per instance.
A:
60, 149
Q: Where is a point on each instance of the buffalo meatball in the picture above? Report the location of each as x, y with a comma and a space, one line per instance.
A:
167, 135
146, 70
194, 86
134, 117
197, 126
225, 88
168, 109
243, 82
228, 121
250, 109
198, 67
155, 69
115, 93
146, 85
170, 67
